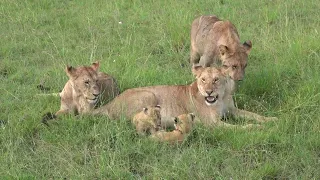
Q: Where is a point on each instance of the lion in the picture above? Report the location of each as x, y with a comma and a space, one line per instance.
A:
214, 41
85, 88
183, 125
148, 120
209, 98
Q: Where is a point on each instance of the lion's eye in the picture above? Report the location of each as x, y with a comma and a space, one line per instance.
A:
216, 80
86, 83
225, 66
203, 80
234, 67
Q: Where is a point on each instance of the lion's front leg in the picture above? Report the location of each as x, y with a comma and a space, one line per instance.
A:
227, 125
194, 56
239, 113
217, 122
206, 60
99, 111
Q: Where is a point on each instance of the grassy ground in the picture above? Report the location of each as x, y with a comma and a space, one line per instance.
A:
147, 43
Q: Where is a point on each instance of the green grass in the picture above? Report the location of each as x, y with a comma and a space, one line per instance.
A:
151, 47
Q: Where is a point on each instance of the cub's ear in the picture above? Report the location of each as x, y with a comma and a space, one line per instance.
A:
145, 110
197, 69
247, 45
223, 50
95, 65
192, 116
158, 107
70, 71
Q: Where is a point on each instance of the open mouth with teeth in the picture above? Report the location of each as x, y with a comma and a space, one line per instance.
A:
211, 99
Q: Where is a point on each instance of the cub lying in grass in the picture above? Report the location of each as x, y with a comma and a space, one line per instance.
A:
148, 120
183, 125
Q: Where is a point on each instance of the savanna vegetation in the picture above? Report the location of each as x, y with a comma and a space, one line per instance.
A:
143, 43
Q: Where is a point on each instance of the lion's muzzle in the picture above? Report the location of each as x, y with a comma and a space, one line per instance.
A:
211, 99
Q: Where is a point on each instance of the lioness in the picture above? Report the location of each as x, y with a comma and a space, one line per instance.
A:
148, 120
85, 88
183, 125
209, 98
213, 39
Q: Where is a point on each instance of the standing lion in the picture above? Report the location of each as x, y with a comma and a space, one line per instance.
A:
214, 40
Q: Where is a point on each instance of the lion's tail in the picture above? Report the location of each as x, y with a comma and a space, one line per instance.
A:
51, 94
48, 116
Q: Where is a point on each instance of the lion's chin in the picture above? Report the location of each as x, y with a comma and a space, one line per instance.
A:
211, 100
92, 101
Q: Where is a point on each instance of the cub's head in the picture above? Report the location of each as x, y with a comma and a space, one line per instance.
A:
184, 122
84, 81
211, 83
234, 62
150, 113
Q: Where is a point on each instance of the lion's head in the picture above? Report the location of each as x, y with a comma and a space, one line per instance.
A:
211, 83
184, 122
235, 62
84, 81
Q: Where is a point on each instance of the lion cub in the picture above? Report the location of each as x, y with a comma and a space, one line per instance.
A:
213, 40
183, 125
148, 120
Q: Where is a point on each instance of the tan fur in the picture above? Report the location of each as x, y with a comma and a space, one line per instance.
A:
148, 120
213, 40
183, 125
209, 98
127, 104
85, 88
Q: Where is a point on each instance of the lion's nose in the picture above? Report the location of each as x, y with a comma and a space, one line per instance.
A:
209, 92
241, 77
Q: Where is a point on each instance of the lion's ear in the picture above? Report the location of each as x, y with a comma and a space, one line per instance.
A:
145, 110
197, 69
95, 65
223, 50
158, 107
224, 76
192, 116
247, 45
224, 72
70, 71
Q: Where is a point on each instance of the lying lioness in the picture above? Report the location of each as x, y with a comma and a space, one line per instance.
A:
213, 40
209, 98
183, 125
85, 88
